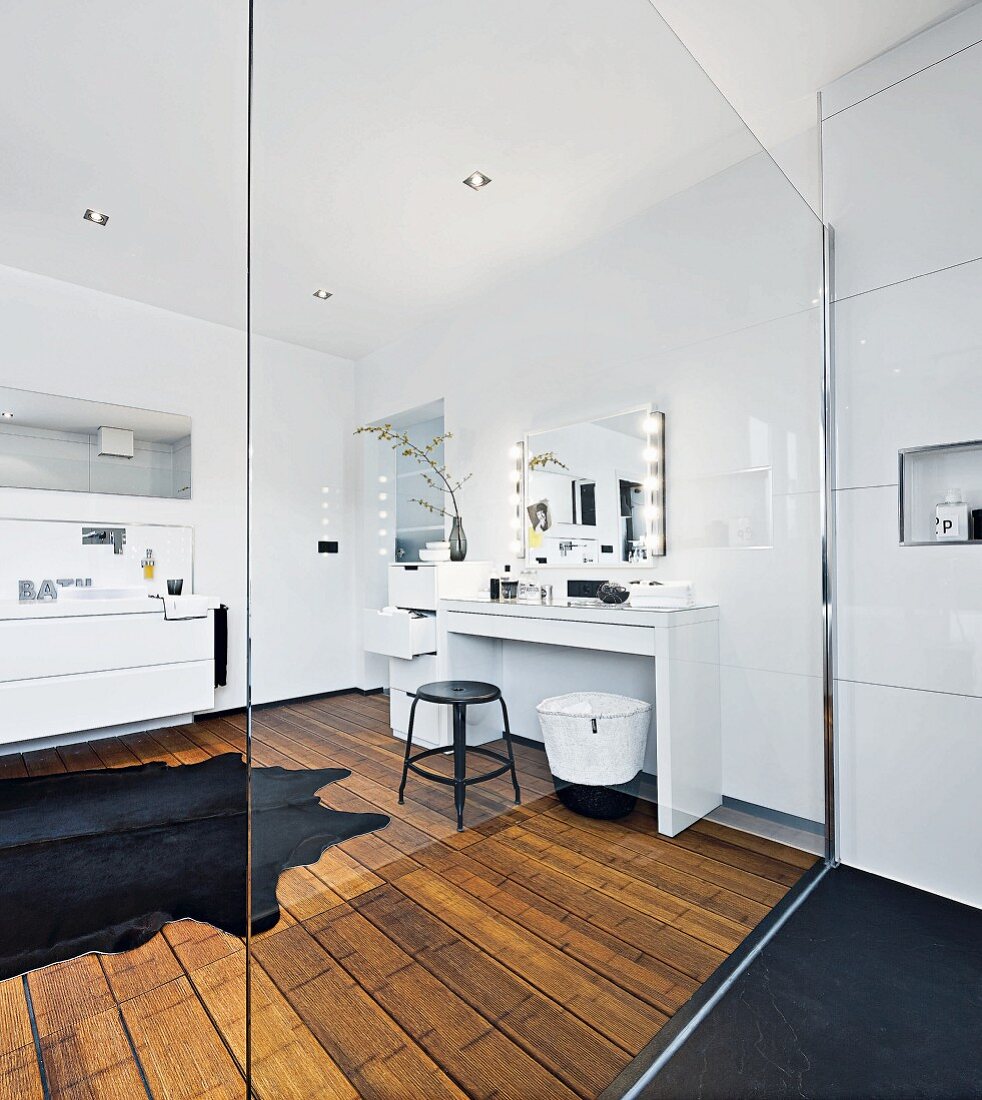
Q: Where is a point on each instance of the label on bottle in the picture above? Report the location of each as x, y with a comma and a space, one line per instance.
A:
951, 523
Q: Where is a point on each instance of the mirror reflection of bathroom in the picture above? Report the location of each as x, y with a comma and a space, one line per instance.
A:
595, 491
411, 478
536, 534
122, 550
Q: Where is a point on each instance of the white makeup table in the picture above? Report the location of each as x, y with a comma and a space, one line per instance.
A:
682, 644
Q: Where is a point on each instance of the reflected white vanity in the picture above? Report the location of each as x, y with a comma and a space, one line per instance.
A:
682, 646
88, 643
588, 494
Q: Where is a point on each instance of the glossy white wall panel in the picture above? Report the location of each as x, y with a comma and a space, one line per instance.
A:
909, 616
770, 600
907, 371
910, 767
902, 174
934, 45
773, 740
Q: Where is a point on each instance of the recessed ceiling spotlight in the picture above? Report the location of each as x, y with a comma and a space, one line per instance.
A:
322, 294
96, 216
6, 416
477, 180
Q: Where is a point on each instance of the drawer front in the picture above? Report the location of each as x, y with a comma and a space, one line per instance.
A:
409, 675
73, 704
99, 643
413, 586
430, 720
399, 635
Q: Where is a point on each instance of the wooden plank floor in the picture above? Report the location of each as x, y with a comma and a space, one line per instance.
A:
532, 955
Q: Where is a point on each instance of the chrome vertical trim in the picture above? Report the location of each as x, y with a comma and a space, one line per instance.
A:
828, 549
250, 86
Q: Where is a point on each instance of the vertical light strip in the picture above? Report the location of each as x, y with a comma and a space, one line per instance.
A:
516, 476
654, 484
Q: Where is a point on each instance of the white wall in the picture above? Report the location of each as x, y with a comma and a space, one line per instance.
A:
706, 306
302, 602
65, 339
903, 160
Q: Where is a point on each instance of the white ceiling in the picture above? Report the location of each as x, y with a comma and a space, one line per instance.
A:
367, 117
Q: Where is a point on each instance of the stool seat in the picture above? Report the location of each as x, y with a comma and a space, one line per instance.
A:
458, 691
459, 694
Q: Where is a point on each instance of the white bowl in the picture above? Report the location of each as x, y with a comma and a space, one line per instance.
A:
438, 546
434, 555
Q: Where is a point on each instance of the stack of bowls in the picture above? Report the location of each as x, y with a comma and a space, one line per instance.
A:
435, 551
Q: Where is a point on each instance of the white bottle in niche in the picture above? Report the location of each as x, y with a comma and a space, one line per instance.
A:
951, 518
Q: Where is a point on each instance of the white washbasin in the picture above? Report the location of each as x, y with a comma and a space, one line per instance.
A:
101, 593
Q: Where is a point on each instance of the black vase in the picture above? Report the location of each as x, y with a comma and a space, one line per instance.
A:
458, 540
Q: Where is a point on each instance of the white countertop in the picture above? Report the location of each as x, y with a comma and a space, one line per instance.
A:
68, 608
578, 611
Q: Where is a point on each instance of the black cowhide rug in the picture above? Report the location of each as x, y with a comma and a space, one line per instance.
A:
102, 860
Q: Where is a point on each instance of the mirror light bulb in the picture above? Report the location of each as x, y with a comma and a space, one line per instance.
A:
383, 496
383, 515
516, 546
516, 451
382, 550
382, 480
651, 425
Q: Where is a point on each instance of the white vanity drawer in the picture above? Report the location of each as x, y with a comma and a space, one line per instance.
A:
399, 635
413, 586
428, 730
68, 646
409, 675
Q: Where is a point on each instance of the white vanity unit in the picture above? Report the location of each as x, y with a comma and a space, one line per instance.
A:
102, 658
411, 642
682, 646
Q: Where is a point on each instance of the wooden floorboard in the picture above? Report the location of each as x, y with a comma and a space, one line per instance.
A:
530, 956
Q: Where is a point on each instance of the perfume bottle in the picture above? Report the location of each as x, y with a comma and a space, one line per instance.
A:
951, 518
148, 564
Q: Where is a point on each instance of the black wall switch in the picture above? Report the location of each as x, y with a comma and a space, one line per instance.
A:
327, 547
605, 549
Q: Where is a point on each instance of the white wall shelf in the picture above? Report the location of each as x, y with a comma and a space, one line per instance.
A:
924, 475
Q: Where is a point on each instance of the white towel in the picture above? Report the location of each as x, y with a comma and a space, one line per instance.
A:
185, 607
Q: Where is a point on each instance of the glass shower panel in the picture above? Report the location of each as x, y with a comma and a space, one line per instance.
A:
123, 846
621, 323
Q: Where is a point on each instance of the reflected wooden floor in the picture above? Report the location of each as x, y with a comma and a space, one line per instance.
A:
532, 955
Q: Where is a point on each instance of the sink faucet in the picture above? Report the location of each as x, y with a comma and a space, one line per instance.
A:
103, 536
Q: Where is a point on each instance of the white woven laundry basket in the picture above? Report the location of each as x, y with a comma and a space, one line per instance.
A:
594, 738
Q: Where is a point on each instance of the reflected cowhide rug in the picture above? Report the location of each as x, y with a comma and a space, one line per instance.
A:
102, 860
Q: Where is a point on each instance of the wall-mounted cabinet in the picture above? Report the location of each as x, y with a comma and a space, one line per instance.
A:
927, 475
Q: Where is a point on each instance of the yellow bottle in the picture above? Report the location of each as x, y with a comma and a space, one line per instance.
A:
148, 564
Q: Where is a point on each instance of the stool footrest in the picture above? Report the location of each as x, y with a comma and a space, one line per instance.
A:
449, 779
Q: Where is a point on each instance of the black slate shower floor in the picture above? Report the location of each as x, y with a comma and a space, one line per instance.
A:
871, 989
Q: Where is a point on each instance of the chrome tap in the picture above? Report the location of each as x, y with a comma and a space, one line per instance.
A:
105, 536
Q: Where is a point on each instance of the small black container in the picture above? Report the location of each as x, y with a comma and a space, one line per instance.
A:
600, 803
174, 588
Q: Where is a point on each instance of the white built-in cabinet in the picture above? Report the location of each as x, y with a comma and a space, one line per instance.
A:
411, 644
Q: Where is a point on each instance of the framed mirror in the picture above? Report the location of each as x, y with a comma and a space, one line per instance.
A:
594, 492
53, 442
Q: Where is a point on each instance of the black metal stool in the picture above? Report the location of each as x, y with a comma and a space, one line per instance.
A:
460, 694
